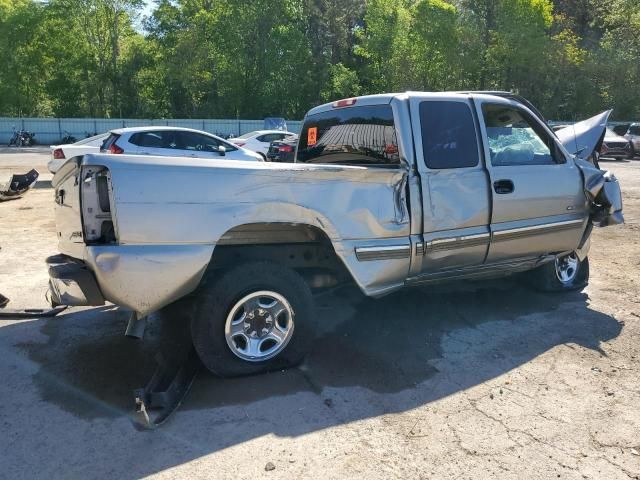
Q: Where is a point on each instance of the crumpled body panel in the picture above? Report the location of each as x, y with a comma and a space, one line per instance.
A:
603, 191
583, 138
171, 213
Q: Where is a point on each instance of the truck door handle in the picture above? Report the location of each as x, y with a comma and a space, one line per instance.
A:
502, 187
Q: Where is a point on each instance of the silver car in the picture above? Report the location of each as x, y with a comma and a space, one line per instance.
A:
173, 142
633, 134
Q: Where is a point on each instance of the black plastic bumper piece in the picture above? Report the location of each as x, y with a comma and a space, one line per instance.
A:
72, 283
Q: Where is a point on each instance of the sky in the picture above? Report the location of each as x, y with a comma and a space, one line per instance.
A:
144, 12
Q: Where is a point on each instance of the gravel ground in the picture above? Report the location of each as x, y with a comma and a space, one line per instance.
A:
486, 380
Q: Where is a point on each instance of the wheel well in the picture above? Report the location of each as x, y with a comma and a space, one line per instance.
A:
303, 248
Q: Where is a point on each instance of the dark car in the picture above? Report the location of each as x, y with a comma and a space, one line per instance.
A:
283, 151
615, 146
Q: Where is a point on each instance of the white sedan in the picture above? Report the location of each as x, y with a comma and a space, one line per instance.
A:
173, 142
260, 140
61, 153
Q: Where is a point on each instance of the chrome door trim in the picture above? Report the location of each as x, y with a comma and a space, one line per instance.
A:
365, 254
511, 233
459, 242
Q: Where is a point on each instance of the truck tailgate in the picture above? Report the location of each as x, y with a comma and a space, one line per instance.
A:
66, 183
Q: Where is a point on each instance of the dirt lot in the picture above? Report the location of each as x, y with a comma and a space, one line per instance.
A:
475, 381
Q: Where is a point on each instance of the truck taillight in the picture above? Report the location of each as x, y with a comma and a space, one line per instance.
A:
113, 148
95, 199
58, 154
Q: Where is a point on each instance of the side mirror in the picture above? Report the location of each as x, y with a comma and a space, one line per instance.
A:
222, 150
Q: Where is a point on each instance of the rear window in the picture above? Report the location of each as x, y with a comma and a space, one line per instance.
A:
448, 135
350, 136
246, 135
95, 138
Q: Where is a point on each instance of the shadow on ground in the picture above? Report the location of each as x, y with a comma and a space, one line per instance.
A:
381, 356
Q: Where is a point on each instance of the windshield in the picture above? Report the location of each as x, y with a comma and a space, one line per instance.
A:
634, 130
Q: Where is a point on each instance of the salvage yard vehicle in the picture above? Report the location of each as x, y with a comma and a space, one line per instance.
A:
387, 191
174, 142
633, 135
61, 153
283, 150
615, 146
260, 140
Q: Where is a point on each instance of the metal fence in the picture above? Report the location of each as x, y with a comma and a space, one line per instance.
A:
51, 130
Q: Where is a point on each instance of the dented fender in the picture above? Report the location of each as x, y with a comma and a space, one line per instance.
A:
603, 192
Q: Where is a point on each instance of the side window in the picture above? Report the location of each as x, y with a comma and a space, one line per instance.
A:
350, 136
149, 139
197, 142
448, 135
517, 139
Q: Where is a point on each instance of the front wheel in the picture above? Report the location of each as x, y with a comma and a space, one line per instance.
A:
255, 318
564, 274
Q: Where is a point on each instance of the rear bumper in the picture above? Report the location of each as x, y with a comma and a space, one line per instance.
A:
72, 283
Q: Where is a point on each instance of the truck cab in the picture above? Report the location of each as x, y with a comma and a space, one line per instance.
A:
490, 186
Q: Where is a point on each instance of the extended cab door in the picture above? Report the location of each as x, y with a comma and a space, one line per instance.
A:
455, 185
536, 190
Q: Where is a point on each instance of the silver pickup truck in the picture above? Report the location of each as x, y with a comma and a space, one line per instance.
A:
387, 191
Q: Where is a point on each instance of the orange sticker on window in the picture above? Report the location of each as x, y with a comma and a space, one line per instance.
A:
312, 136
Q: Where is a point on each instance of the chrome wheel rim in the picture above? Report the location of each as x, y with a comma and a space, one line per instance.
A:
259, 326
567, 268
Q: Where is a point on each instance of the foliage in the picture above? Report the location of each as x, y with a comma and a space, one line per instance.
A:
256, 58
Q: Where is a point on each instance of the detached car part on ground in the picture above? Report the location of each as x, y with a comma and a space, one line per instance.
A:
18, 185
387, 191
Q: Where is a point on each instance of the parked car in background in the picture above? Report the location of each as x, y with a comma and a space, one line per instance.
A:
621, 129
61, 153
633, 134
260, 140
173, 142
283, 151
615, 146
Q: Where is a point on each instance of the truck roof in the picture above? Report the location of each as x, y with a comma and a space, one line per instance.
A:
386, 98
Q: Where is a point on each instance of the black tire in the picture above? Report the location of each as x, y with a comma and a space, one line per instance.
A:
264, 157
215, 300
546, 279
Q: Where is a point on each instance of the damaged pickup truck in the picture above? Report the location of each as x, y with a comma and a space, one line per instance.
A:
387, 191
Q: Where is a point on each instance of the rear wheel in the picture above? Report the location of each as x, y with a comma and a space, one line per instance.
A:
564, 274
255, 318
